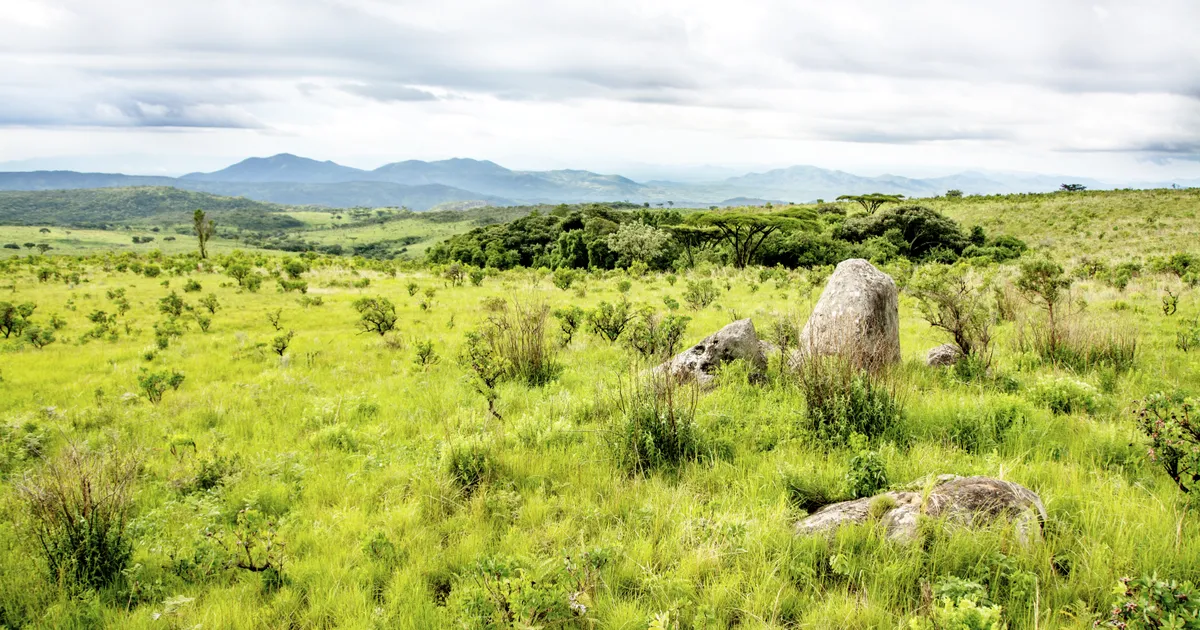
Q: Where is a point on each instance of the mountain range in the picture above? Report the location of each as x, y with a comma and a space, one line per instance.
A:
419, 185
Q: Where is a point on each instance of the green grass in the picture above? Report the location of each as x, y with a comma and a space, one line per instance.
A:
346, 440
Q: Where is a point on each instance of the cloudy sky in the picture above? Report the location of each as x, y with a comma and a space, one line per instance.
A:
1107, 89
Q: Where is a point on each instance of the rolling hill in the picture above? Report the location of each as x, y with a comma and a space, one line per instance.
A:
97, 208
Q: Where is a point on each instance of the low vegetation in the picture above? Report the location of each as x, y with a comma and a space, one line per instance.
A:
480, 439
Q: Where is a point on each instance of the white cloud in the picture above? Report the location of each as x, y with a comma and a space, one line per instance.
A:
1110, 88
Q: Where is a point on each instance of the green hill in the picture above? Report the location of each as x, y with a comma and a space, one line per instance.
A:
102, 207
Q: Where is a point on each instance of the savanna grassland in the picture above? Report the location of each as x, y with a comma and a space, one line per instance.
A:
275, 465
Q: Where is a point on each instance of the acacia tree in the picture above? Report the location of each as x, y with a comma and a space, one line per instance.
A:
1043, 283
638, 241
746, 232
204, 228
873, 201
692, 238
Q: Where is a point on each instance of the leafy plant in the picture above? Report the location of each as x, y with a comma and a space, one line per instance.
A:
1167, 420
867, 475
656, 425
609, 320
1150, 603
79, 505
281, 342
155, 384
376, 314
425, 354
700, 294
570, 319
841, 400
653, 336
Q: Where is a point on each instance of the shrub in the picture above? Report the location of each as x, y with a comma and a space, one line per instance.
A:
867, 475
1043, 283
281, 342
477, 275
191, 286
564, 277
609, 320
700, 294
79, 505
155, 384
15, 318
412, 288
516, 330
210, 302
469, 464
1148, 602
172, 305
376, 314
954, 300
656, 337
425, 354
1174, 436
1189, 337
655, 429
841, 400
1065, 395
508, 593
569, 321
38, 337
486, 367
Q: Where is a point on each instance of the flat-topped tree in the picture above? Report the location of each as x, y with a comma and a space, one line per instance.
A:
692, 238
745, 232
873, 201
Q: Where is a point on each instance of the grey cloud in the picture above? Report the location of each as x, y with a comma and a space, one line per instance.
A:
389, 92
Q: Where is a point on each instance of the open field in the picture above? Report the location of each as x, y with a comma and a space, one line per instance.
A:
304, 473
344, 444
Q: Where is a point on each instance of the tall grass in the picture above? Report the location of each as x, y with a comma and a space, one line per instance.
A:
516, 329
1080, 346
841, 399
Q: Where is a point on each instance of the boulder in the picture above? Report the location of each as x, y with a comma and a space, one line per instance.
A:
857, 317
964, 501
945, 355
699, 363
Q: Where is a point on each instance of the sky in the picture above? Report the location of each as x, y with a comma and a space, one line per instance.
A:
1105, 89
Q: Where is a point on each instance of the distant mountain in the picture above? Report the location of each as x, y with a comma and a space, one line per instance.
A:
345, 194
421, 185
284, 167
66, 180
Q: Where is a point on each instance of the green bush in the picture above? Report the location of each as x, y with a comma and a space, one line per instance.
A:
700, 294
1150, 603
79, 505
1167, 420
570, 319
609, 320
867, 475
470, 464
376, 314
656, 337
155, 384
654, 427
842, 400
1065, 395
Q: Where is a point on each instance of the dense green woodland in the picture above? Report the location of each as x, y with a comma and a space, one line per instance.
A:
473, 438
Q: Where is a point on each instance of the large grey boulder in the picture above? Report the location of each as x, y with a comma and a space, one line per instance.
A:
964, 501
945, 355
699, 363
857, 317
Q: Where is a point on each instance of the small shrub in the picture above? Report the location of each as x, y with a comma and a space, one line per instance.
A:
336, 436
624, 286
486, 367
155, 384
609, 320
14, 318
654, 428
376, 314
655, 337
79, 505
1148, 602
1167, 420
867, 475
564, 277
281, 342
412, 288
38, 337
842, 400
1065, 395
1189, 338
477, 275
425, 354
469, 464
211, 303
570, 319
700, 294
